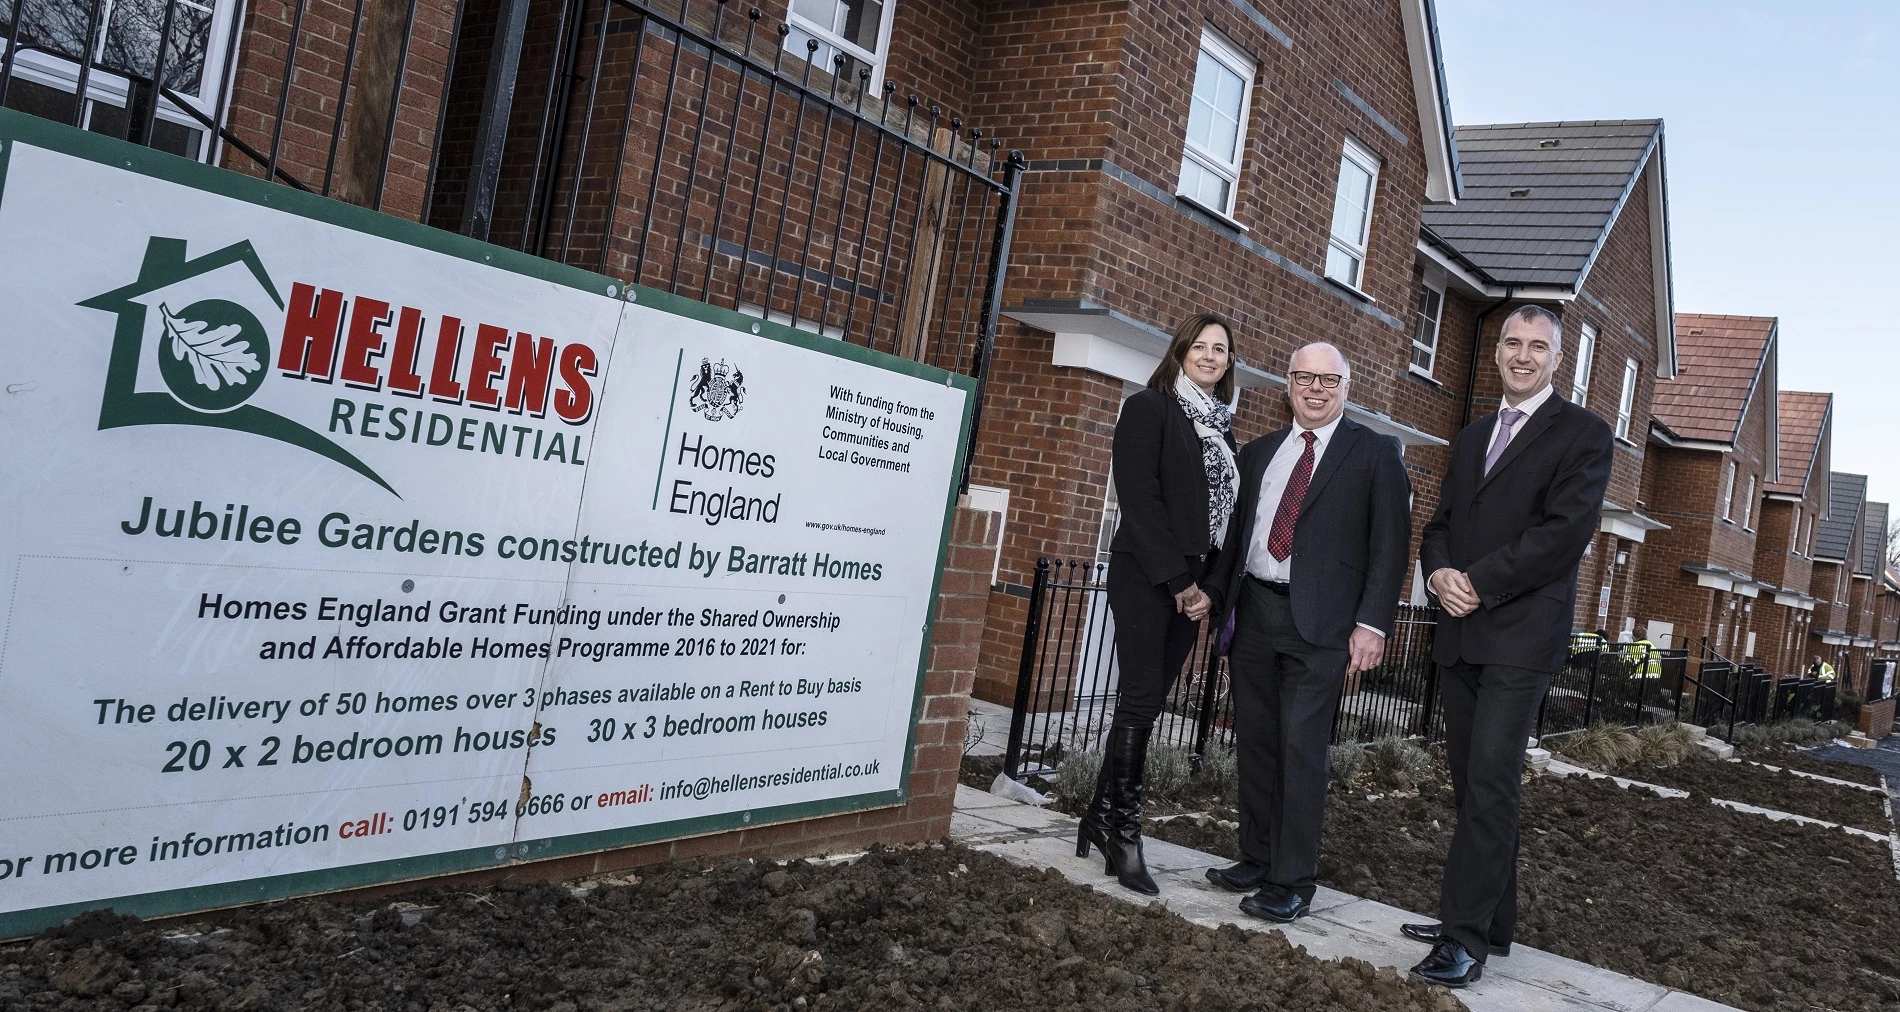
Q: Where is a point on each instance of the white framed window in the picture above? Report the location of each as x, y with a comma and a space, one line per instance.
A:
53, 35
1431, 309
1748, 506
1586, 357
1728, 491
1794, 530
859, 30
1626, 403
1217, 124
1352, 214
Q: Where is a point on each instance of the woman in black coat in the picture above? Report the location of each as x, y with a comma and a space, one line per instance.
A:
1174, 473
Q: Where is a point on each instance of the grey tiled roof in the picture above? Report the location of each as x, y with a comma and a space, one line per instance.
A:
1873, 541
1834, 536
1574, 188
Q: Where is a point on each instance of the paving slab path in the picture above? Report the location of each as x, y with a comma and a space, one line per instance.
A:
1528, 980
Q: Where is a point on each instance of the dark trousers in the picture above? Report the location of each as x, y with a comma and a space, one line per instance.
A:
1489, 711
1286, 692
1152, 640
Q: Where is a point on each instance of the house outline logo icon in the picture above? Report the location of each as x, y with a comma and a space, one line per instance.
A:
212, 354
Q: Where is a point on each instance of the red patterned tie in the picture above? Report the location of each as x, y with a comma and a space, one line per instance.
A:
1280, 539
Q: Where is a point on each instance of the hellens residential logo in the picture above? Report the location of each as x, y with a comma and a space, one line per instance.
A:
210, 351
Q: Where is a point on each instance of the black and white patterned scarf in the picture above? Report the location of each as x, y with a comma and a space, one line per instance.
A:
1212, 422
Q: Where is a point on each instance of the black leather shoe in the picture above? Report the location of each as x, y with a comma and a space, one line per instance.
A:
1429, 934
1276, 904
1244, 877
1449, 965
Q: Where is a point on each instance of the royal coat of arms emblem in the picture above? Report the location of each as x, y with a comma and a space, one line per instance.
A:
719, 391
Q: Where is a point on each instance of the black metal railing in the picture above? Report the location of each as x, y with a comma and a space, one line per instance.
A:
326, 96
686, 147
1066, 684
682, 145
1623, 684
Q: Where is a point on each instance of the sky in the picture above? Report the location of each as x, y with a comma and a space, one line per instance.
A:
1782, 139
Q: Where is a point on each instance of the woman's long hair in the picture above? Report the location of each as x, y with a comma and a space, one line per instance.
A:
1170, 367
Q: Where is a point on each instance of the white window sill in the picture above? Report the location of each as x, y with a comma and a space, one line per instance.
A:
1225, 218
1350, 290
1424, 374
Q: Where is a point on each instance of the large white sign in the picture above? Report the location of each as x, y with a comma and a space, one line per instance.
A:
337, 550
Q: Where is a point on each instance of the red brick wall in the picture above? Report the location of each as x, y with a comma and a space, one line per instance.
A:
310, 121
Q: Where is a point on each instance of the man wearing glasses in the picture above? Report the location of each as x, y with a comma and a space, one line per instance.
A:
1310, 574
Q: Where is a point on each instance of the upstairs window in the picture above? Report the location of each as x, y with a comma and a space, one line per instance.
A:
1626, 403
1217, 125
1352, 215
1586, 358
859, 30
124, 53
1728, 491
1794, 530
1748, 506
1431, 308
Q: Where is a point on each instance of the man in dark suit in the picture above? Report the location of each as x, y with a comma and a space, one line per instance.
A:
1312, 567
1518, 506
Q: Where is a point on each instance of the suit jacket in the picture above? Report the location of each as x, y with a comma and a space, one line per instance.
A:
1519, 533
1350, 545
1161, 485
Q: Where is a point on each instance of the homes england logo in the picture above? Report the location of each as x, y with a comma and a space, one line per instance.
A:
719, 390
209, 353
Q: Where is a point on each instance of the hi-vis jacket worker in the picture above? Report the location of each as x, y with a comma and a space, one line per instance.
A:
1822, 670
1646, 662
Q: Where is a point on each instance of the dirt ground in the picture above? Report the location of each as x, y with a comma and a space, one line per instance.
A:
935, 927
1790, 757
1762, 915
1782, 791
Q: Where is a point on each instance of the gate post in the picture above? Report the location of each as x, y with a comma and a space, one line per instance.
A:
1026, 669
993, 303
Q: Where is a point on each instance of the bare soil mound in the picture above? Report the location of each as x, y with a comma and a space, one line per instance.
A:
938, 927
1770, 916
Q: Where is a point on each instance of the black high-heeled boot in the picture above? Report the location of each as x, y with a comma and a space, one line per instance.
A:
1126, 755
1096, 826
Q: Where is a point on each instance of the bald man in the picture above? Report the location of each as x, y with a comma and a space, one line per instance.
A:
1311, 571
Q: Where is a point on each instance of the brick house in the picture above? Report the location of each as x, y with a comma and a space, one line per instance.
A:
1870, 569
1790, 507
1574, 217
1264, 160
1713, 446
1837, 551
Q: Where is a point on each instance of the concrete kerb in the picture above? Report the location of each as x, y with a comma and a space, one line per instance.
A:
1341, 925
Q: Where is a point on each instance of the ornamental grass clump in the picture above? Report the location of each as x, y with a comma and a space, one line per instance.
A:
1345, 761
1600, 745
1076, 776
1666, 744
1398, 762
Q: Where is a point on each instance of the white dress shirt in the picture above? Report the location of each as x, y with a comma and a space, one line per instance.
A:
1529, 407
1260, 561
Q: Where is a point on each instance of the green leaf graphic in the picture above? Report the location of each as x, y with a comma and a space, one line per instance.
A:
217, 357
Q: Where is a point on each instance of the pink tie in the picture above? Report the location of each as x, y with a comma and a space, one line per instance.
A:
1507, 421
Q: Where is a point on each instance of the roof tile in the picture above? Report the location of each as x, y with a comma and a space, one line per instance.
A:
1803, 416
1721, 358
